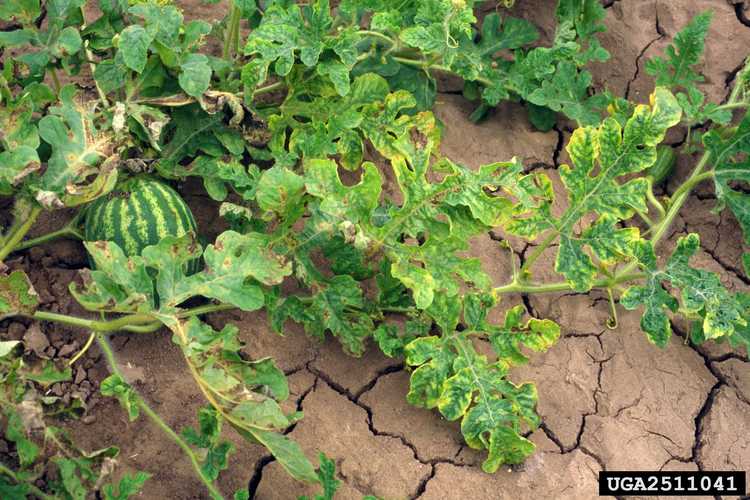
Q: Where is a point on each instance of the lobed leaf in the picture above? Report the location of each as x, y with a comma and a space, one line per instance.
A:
702, 296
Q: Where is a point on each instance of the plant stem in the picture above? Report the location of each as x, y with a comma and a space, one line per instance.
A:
18, 232
103, 343
537, 252
404, 310
379, 36
65, 232
55, 80
147, 328
205, 309
139, 323
99, 326
678, 199
421, 63
733, 105
36, 491
269, 88
652, 199
233, 31
92, 65
645, 218
516, 287
690, 184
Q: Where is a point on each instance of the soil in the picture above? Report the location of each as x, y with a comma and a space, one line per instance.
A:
608, 399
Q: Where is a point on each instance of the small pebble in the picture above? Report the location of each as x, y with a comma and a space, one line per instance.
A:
80, 375
55, 336
89, 419
68, 349
57, 389
16, 331
35, 340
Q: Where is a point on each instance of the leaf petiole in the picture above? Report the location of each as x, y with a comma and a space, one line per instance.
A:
71, 230
139, 323
525, 268
18, 231
516, 287
690, 184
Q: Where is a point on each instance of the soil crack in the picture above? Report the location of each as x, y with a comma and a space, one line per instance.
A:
739, 10
638, 58
707, 404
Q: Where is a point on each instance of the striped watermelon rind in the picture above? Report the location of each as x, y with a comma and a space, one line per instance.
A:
138, 213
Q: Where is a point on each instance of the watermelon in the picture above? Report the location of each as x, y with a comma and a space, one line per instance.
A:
137, 213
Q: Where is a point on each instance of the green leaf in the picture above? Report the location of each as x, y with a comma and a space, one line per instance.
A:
232, 262
601, 156
25, 11
334, 308
17, 295
72, 483
288, 454
727, 154
49, 374
355, 203
195, 75
129, 485
115, 386
327, 478
134, 44
288, 32
536, 334
279, 190
676, 69
118, 284
701, 295
324, 123
110, 75
162, 22
68, 43
567, 92
15, 432
17, 38
219, 174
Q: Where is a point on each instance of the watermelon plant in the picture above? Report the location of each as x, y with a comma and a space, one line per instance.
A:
310, 126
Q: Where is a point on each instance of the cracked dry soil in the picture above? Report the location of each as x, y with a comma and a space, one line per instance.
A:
608, 398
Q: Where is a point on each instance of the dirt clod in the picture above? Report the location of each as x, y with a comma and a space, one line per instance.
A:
36, 341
